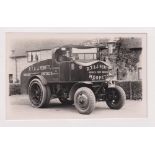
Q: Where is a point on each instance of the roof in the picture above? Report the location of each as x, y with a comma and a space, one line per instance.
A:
18, 55
84, 46
38, 50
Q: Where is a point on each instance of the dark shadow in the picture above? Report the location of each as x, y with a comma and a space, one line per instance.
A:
59, 105
101, 108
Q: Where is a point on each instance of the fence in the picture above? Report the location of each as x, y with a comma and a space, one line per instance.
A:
133, 89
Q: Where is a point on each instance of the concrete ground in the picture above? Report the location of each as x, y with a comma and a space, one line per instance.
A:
19, 108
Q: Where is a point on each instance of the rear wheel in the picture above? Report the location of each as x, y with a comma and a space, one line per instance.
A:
39, 94
115, 97
84, 100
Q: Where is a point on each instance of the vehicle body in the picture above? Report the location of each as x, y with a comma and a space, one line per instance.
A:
75, 74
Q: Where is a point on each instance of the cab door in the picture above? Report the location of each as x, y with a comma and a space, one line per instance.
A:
55, 69
65, 71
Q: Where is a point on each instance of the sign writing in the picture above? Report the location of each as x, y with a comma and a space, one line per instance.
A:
40, 68
42, 73
97, 71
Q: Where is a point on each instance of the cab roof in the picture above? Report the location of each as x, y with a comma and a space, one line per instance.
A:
84, 46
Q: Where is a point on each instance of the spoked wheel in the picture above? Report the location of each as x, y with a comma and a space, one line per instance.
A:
84, 100
65, 101
39, 94
115, 97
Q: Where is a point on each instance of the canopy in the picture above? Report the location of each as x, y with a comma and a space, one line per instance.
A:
91, 63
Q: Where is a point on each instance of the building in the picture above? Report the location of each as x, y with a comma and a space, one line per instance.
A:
20, 60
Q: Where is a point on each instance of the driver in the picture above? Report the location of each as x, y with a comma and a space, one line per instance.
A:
64, 56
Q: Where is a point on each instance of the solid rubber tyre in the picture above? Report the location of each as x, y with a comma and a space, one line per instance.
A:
116, 101
84, 100
39, 94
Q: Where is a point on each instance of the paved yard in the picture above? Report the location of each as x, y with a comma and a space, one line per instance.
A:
19, 108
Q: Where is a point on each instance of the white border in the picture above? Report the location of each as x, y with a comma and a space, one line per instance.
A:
150, 121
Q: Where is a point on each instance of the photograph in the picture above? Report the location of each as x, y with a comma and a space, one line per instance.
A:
76, 75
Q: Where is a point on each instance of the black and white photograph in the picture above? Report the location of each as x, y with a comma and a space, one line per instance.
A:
76, 75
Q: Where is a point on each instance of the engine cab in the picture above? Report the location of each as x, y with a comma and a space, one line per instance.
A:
81, 63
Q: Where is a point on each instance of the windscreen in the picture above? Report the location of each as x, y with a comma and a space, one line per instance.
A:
84, 54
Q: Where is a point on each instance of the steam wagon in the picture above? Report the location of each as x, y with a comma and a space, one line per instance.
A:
75, 75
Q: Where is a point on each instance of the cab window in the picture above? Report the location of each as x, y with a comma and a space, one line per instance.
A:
90, 56
84, 54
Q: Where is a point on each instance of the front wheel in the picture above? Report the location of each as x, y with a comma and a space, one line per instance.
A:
39, 94
84, 100
115, 97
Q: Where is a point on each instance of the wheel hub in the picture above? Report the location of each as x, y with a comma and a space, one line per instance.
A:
82, 100
112, 96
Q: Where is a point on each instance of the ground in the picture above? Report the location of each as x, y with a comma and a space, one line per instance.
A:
19, 108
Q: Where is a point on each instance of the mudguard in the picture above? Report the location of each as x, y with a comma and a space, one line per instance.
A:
40, 77
76, 86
